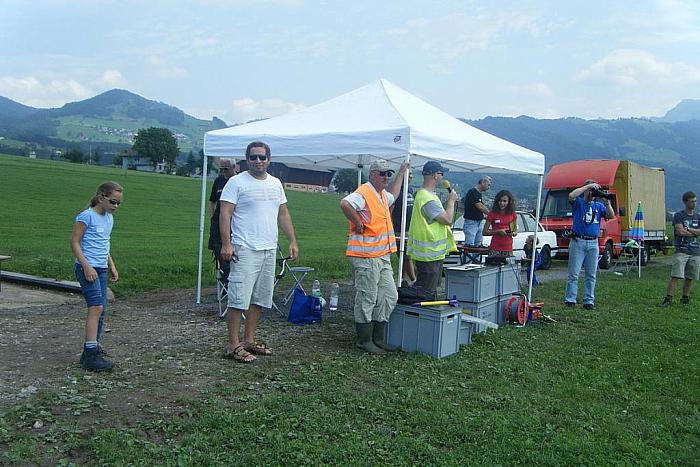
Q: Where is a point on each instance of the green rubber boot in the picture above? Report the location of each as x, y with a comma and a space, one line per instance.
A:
364, 339
378, 334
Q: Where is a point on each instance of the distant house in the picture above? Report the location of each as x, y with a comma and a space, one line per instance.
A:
299, 177
140, 164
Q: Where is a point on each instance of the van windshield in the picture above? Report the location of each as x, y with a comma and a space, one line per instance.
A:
556, 204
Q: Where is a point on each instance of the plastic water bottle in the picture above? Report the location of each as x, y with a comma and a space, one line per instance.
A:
316, 289
333, 301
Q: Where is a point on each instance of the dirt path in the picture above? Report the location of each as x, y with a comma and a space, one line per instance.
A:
167, 347
161, 340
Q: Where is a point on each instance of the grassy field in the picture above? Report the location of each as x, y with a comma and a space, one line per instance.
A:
618, 386
615, 386
155, 239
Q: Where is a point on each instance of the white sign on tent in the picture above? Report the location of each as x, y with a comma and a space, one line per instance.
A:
379, 120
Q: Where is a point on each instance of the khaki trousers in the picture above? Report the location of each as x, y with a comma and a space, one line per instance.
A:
375, 289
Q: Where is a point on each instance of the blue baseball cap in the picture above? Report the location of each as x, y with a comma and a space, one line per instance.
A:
432, 167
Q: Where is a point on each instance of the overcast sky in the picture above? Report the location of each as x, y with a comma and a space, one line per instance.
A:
244, 59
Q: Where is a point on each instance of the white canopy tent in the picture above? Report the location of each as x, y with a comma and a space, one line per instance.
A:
379, 120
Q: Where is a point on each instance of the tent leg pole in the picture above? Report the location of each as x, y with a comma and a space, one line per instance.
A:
201, 228
404, 208
534, 240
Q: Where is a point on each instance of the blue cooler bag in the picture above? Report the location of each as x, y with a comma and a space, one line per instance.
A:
304, 309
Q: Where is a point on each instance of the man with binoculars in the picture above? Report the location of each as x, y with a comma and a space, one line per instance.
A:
583, 245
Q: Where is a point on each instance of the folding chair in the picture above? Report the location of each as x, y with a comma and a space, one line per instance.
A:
628, 258
298, 274
221, 288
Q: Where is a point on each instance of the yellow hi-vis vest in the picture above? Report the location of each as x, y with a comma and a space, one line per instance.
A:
377, 239
428, 242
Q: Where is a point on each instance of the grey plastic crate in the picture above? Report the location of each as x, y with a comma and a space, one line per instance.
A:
432, 331
466, 330
508, 279
487, 309
471, 285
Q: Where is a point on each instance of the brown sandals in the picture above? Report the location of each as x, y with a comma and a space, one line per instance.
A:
257, 348
240, 354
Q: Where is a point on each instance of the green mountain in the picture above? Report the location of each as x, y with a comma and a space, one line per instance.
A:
109, 120
675, 146
11, 109
687, 109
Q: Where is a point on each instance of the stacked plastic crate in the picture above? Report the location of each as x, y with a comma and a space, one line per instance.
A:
482, 291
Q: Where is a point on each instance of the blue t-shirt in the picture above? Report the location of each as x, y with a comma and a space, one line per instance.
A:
587, 217
95, 241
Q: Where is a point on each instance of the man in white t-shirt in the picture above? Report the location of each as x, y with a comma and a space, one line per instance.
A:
253, 205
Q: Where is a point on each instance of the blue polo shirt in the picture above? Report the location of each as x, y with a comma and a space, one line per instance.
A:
587, 217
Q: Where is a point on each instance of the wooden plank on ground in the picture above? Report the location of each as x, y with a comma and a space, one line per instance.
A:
28, 279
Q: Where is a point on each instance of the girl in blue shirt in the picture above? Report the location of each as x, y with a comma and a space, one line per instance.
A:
90, 244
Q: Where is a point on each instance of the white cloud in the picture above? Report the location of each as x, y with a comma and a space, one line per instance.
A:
247, 108
632, 67
540, 90
42, 92
30, 90
453, 35
665, 22
111, 79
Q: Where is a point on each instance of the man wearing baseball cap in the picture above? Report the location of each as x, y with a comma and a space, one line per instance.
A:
371, 242
430, 236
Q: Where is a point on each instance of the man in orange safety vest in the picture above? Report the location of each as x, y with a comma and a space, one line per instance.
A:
371, 242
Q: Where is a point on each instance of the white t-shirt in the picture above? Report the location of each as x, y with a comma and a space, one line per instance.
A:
357, 201
254, 220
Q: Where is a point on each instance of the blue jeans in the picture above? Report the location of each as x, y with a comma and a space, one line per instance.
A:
582, 253
95, 293
473, 235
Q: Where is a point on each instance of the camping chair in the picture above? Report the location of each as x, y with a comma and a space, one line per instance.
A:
221, 288
628, 259
298, 273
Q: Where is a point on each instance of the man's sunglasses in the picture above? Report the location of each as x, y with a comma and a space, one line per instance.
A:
114, 202
385, 173
259, 157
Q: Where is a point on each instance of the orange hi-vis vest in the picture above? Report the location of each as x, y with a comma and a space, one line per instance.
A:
377, 239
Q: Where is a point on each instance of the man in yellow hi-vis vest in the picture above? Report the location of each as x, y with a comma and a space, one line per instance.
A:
371, 242
430, 235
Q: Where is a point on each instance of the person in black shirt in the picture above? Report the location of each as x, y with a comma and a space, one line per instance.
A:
686, 260
474, 213
227, 169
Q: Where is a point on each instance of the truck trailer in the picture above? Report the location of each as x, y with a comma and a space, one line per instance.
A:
629, 184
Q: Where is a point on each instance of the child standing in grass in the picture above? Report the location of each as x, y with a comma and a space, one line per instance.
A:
90, 244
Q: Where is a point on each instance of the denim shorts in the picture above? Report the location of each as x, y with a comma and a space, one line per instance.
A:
95, 293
